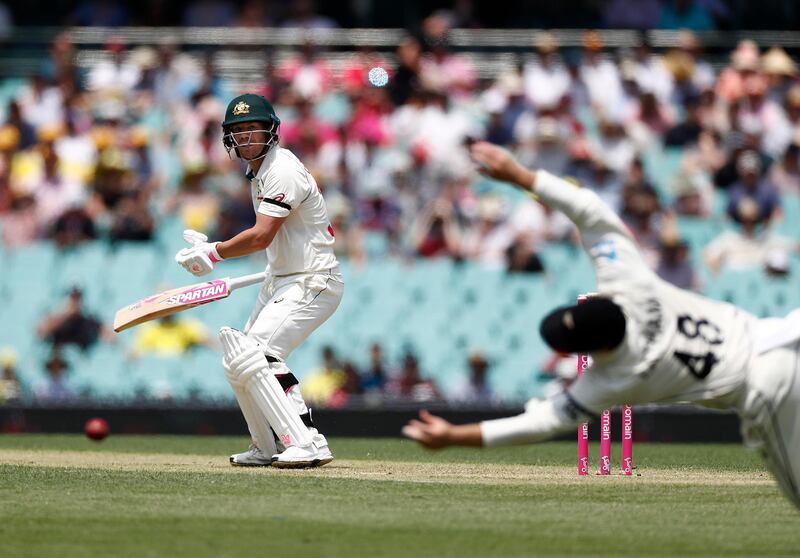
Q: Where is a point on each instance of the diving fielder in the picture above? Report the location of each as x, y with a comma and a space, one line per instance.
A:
302, 289
650, 341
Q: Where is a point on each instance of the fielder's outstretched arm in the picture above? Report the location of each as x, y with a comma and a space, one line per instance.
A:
542, 420
583, 207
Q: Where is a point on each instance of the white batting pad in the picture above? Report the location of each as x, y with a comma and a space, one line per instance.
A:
247, 369
258, 426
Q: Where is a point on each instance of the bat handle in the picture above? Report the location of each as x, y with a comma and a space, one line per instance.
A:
247, 280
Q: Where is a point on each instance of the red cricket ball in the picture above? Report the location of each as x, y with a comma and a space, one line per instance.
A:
96, 429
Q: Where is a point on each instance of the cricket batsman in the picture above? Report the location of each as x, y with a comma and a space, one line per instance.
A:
650, 342
302, 289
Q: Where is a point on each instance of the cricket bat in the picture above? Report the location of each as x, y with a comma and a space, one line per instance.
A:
180, 299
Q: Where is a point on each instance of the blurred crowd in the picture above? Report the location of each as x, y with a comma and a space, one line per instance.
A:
115, 149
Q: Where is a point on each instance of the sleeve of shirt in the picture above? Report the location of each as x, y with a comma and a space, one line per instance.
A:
543, 419
604, 236
592, 395
282, 189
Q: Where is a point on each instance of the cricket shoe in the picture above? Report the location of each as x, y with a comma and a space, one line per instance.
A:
296, 457
253, 457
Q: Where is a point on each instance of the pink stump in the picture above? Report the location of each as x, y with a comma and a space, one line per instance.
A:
605, 443
627, 440
583, 428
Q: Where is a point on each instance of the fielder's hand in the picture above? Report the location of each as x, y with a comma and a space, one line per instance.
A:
431, 431
496, 162
201, 257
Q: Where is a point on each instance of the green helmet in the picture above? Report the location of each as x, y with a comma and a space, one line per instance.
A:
250, 108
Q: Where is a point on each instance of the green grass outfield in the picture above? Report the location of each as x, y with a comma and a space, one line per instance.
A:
171, 496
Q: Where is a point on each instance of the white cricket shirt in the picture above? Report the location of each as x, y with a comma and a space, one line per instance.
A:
283, 187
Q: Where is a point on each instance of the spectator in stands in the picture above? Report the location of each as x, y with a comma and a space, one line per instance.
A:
41, 104
693, 191
198, 206
649, 120
375, 376
738, 144
745, 62
21, 224
747, 247
112, 80
323, 385
791, 106
442, 70
642, 213
650, 72
780, 71
409, 384
489, 238
688, 131
674, 265
307, 73
521, 256
54, 193
785, 174
349, 234
406, 78
73, 227
10, 387
601, 77
54, 388
169, 337
436, 231
131, 220
73, 325
352, 383
113, 181
76, 152
752, 185
547, 147
546, 80
756, 113
475, 391
26, 133
236, 211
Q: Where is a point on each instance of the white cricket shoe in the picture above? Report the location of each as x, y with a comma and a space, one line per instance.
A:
253, 457
296, 457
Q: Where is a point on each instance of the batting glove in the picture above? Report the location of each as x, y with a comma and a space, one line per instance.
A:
201, 257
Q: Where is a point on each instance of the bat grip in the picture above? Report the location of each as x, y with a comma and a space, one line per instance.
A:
247, 280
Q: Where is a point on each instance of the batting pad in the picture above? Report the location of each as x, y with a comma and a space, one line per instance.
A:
259, 428
248, 370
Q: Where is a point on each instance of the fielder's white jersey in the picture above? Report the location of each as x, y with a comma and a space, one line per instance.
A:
283, 187
678, 346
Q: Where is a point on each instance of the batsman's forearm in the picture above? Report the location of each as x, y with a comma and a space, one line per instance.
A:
245, 243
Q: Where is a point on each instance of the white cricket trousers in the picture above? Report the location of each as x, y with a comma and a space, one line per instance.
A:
288, 310
291, 307
770, 411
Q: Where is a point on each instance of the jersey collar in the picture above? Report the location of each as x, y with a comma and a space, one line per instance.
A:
265, 164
